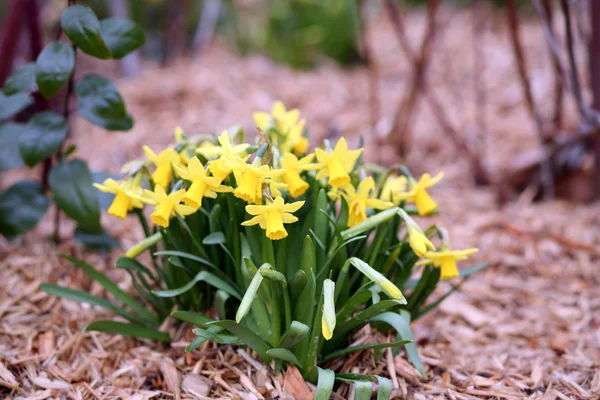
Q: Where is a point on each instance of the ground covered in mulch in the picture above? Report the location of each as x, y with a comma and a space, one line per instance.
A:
525, 327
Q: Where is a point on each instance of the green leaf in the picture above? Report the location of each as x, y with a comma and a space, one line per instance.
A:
401, 323
10, 105
384, 388
193, 318
100, 103
215, 337
129, 263
111, 288
43, 136
214, 238
10, 134
293, 335
22, 79
199, 341
348, 350
126, 329
82, 27
121, 36
250, 338
84, 297
203, 276
100, 242
363, 390
21, 207
53, 67
185, 255
324, 384
71, 185
283, 354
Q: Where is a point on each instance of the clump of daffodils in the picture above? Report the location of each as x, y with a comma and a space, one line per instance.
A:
295, 248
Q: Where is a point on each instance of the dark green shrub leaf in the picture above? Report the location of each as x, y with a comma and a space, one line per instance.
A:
53, 67
81, 25
10, 134
43, 136
100, 103
121, 36
100, 242
21, 79
10, 105
71, 185
21, 207
126, 329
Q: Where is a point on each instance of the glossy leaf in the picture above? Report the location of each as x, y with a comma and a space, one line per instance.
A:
203, 276
248, 337
121, 36
283, 354
100, 102
324, 384
10, 105
101, 242
22, 79
126, 329
82, 27
10, 134
214, 238
193, 318
53, 67
42, 137
21, 207
71, 185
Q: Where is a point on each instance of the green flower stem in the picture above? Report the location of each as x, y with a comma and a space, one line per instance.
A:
142, 218
276, 314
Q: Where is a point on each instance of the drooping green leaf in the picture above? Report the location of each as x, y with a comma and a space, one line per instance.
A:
363, 390
22, 79
283, 354
121, 36
10, 134
43, 135
129, 263
324, 384
100, 103
126, 329
401, 323
250, 338
111, 287
21, 207
53, 67
293, 335
71, 185
384, 388
352, 349
100, 242
214, 238
193, 318
199, 341
216, 337
202, 276
10, 105
82, 27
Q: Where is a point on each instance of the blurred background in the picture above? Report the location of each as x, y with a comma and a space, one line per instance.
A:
500, 95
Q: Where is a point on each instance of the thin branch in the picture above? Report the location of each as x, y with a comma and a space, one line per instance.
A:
546, 167
10, 37
372, 70
479, 172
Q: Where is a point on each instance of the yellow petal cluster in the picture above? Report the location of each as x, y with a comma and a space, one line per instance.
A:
359, 200
446, 259
271, 217
337, 165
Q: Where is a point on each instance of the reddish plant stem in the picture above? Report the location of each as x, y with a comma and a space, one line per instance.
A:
10, 37
547, 179
480, 174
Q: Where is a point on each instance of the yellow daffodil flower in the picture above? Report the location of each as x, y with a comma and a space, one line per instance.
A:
418, 193
223, 166
418, 242
166, 205
163, 173
250, 179
282, 119
294, 167
202, 184
124, 192
271, 217
179, 134
338, 164
446, 260
394, 188
359, 201
295, 141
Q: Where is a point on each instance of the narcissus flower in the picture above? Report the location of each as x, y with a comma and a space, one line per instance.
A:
124, 191
282, 119
446, 260
338, 164
250, 179
163, 173
293, 168
166, 205
359, 201
202, 183
394, 189
295, 140
271, 217
227, 152
418, 193
417, 240
328, 318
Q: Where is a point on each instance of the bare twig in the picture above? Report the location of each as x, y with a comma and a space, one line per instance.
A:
10, 37
479, 172
594, 63
372, 71
547, 179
